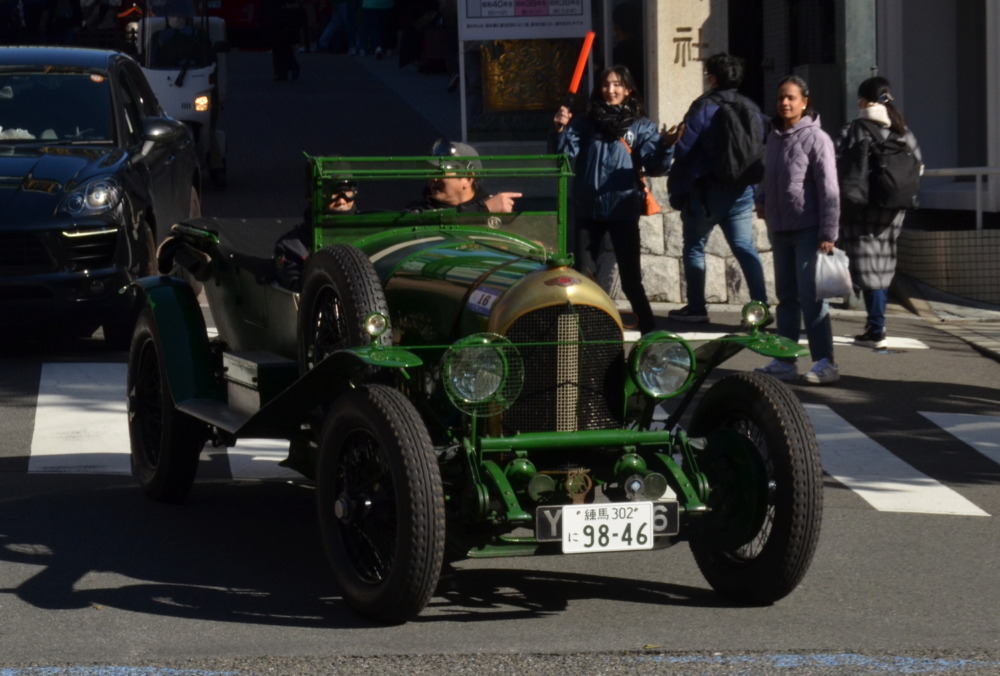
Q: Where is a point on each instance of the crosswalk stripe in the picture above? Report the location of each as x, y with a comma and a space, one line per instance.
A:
981, 432
80, 420
878, 476
892, 342
81, 427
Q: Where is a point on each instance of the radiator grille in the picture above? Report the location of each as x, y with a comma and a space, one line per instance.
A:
568, 386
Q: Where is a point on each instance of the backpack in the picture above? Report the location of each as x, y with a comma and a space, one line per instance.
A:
882, 173
736, 142
894, 176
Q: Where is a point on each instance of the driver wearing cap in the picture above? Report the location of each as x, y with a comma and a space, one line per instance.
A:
458, 188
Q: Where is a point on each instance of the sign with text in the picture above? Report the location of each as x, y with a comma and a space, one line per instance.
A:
522, 19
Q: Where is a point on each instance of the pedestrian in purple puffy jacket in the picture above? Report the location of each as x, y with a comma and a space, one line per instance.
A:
800, 201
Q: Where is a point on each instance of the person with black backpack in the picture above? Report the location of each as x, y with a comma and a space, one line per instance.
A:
879, 166
717, 162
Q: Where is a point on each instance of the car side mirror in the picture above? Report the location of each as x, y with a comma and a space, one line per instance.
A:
161, 130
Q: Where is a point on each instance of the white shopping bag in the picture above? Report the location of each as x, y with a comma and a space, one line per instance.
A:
833, 276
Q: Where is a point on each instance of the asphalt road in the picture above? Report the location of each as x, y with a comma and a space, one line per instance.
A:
95, 579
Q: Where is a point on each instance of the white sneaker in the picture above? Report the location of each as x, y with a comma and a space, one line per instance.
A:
780, 369
824, 371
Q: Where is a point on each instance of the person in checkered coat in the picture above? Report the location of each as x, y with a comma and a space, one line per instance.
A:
868, 233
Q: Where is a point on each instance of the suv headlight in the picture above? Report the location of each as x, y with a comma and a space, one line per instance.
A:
662, 364
482, 374
93, 197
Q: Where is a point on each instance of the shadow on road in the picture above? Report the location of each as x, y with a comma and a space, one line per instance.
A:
237, 552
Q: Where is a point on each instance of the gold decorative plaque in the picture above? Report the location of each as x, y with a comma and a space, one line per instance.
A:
526, 74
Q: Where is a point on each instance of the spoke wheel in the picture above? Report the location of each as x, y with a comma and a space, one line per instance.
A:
165, 443
340, 289
763, 469
381, 505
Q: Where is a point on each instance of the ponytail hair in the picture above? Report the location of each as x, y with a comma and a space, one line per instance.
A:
877, 90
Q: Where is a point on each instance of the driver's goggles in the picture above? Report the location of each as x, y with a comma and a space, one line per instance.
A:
346, 196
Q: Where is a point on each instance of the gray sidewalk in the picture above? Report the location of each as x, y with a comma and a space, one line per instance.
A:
976, 323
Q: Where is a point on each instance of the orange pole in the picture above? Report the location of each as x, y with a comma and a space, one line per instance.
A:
581, 63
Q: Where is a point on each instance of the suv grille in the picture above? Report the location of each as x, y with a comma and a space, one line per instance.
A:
568, 386
24, 254
91, 252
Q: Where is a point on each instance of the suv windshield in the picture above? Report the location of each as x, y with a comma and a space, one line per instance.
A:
55, 107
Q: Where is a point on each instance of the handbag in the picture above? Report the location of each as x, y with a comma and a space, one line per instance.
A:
833, 275
650, 207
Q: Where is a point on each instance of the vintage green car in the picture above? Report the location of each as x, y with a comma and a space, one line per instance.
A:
455, 389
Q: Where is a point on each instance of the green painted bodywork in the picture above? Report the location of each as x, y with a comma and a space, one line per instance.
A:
446, 275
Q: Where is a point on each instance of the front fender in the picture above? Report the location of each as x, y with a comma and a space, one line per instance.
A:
187, 356
283, 414
769, 345
713, 353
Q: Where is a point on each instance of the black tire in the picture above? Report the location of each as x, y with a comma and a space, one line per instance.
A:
165, 443
381, 504
767, 488
340, 288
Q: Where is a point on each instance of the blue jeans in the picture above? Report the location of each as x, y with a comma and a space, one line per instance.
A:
795, 285
875, 301
345, 16
732, 210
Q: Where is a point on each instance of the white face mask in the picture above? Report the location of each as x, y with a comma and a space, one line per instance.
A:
176, 22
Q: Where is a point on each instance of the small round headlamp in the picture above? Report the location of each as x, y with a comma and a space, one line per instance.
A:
376, 324
755, 314
482, 374
662, 364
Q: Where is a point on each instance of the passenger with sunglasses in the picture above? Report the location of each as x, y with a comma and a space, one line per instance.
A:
342, 197
293, 248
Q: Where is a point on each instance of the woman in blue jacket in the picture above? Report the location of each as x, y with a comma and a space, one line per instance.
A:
608, 145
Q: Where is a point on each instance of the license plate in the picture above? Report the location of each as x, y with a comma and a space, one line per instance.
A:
548, 519
610, 527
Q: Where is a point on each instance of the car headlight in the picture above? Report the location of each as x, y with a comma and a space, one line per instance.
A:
202, 103
376, 324
662, 364
92, 197
482, 374
755, 314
